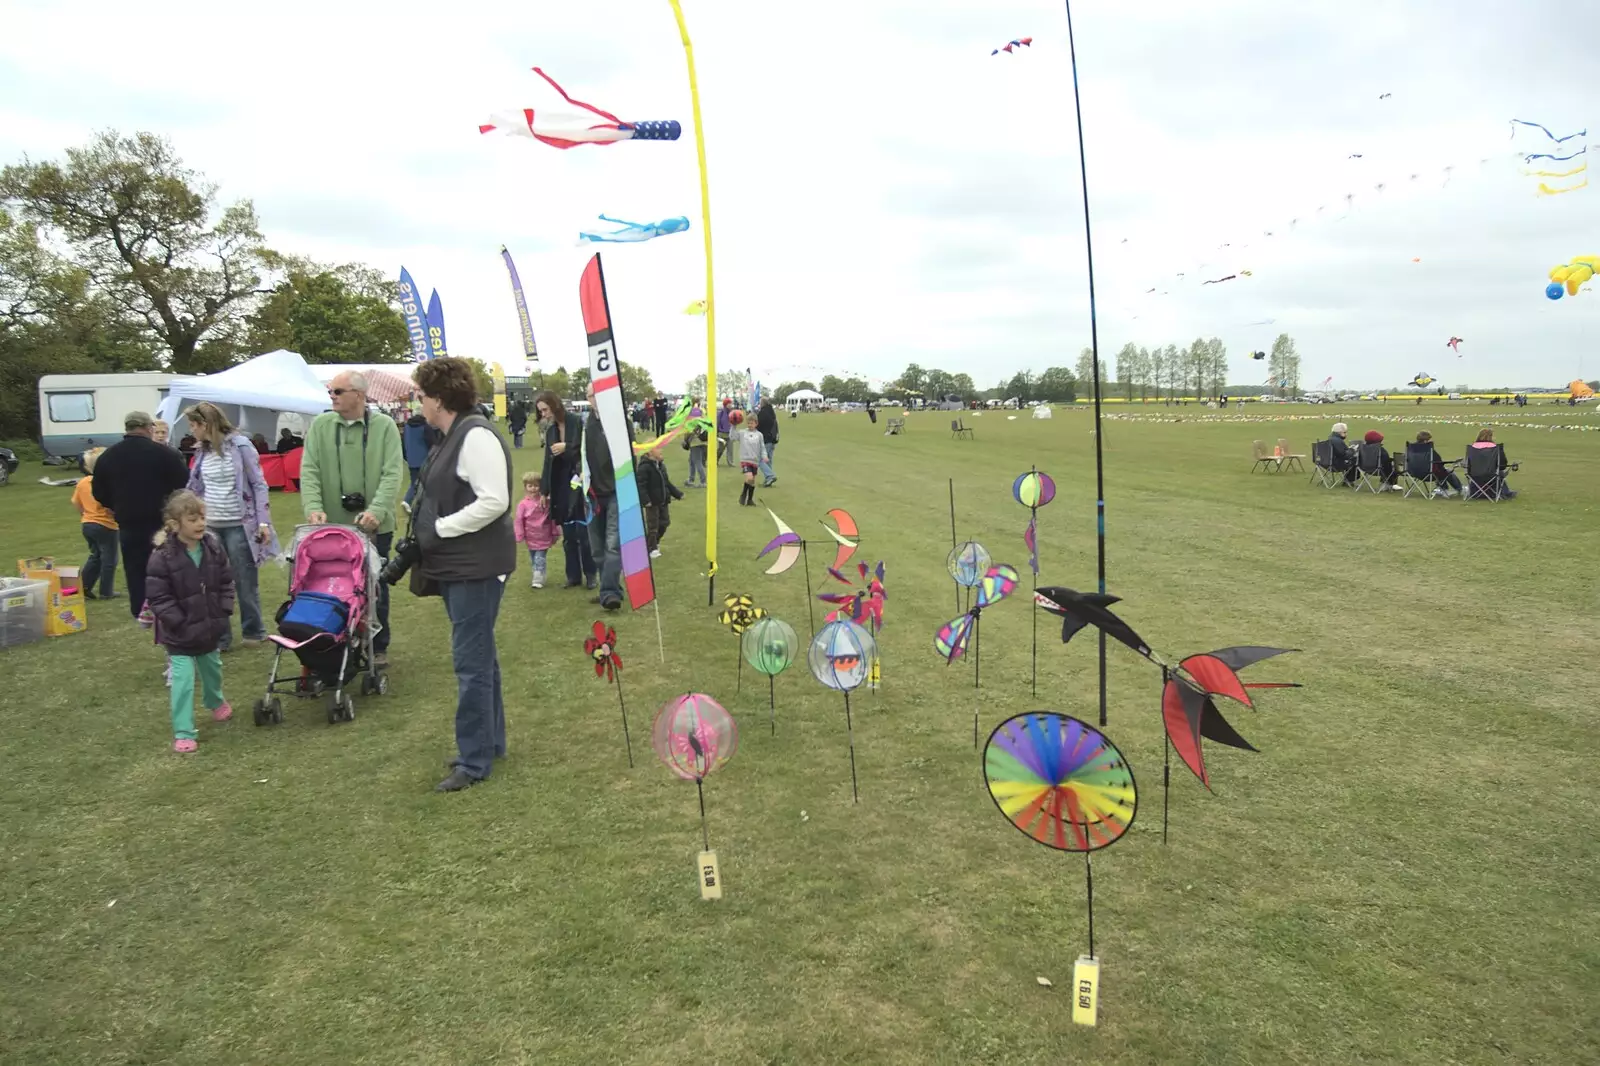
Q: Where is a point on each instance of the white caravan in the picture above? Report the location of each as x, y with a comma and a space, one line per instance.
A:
82, 411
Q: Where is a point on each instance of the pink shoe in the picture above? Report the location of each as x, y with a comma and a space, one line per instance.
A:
184, 745
222, 713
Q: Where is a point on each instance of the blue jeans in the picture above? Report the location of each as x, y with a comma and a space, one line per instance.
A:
537, 557
102, 562
697, 464
606, 547
411, 490
768, 453
575, 546
473, 607
236, 543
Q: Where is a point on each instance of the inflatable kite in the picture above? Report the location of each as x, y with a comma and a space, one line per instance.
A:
1580, 390
1454, 343
632, 232
1020, 42
1258, 355
1423, 380
1572, 276
568, 129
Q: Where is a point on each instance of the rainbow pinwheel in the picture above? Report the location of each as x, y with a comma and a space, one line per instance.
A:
864, 606
739, 613
1060, 781
953, 637
601, 647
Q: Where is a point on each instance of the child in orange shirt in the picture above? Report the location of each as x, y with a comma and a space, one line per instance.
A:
100, 530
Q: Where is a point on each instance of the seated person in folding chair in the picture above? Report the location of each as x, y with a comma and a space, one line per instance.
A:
1485, 442
1344, 456
1444, 479
1384, 467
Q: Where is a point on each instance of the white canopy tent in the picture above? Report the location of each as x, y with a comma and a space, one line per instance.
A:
386, 382
253, 394
800, 398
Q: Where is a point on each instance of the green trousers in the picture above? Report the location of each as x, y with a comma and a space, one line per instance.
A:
184, 667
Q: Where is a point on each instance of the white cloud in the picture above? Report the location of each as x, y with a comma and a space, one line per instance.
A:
885, 191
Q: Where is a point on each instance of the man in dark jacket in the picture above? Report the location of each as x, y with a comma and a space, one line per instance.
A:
517, 420
134, 477
605, 543
767, 425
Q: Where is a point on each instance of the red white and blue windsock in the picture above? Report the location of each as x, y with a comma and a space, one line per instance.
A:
568, 129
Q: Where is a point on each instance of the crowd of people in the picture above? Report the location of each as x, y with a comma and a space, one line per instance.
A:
192, 531
1429, 466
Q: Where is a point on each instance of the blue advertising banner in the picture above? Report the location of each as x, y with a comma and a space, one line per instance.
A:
416, 320
437, 348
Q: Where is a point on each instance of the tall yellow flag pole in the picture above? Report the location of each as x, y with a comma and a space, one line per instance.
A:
711, 307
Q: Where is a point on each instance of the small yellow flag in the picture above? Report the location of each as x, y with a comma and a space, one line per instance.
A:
698, 307
710, 876
1085, 990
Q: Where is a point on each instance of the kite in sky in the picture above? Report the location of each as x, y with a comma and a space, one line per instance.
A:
1258, 355
1572, 276
605, 377
633, 232
1384, 96
1230, 277
1454, 344
1009, 47
1188, 710
568, 129
1423, 380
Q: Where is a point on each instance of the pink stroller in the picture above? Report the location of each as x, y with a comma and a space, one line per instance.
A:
327, 621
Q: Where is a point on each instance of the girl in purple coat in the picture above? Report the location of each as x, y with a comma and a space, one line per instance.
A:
190, 589
227, 475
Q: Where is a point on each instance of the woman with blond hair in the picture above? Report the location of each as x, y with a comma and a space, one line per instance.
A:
227, 475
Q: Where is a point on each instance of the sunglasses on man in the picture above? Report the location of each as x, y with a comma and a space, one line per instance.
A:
340, 392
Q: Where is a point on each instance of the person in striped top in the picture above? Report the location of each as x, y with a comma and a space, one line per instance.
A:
226, 474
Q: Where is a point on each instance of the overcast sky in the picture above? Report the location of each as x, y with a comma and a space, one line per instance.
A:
884, 191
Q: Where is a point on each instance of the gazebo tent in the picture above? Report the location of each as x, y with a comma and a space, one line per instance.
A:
252, 394
800, 397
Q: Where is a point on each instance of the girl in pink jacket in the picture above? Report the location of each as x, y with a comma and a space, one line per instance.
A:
534, 527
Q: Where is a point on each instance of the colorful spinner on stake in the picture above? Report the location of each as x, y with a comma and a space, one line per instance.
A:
601, 646
693, 735
954, 636
841, 658
864, 606
1033, 490
769, 646
1065, 785
739, 613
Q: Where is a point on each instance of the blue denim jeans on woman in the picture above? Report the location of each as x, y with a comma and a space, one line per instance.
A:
473, 607
242, 561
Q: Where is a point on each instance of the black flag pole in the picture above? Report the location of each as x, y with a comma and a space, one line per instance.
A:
953, 535
850, 732
705, 834
1094, 348
1088, 880
624, 707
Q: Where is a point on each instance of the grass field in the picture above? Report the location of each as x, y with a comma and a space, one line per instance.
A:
1405, 872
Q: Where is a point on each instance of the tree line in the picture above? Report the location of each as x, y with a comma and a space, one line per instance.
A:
120, 258
1134, 372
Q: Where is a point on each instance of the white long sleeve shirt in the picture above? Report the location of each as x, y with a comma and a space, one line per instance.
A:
481, 464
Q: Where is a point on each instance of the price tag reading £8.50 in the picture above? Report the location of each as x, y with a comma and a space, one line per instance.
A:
1085, 990
710, 876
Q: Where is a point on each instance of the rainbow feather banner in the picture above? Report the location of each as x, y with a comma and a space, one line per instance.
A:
605, 375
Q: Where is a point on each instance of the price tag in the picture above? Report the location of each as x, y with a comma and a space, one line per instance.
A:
1085, 990
710, 876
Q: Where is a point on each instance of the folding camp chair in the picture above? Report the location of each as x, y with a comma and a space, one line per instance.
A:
1322, 465
959, 430
1369, 467
897, 426
1416, 471
1485, 478
1264, 459
1288, 458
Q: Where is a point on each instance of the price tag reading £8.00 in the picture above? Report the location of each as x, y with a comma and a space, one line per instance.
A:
1085, 990
710, 876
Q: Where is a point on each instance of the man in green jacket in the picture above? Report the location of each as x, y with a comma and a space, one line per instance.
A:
350, 475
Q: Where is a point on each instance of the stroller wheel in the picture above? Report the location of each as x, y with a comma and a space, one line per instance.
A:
381, 685
258, 711
274, 710
348, 709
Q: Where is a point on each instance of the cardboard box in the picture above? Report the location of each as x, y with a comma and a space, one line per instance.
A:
66, 613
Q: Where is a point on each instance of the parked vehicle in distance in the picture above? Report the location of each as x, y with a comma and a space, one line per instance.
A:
78, 412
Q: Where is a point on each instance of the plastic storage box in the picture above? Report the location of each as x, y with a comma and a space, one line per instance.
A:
24, 604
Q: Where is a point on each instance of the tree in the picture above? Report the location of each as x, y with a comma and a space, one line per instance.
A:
914, 379
559, 382
636, 383
1157, 363
962, 386
1216, 365
1194, 367
1284, 366
730, 383
140, 225
327, 320
1055, 385
1141, 373
579, 383
1085, 374
939, 384
485, 380
1172, 357
1127, 363
1020, 387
